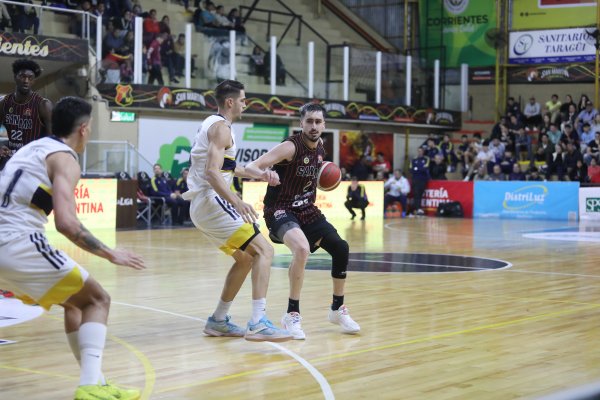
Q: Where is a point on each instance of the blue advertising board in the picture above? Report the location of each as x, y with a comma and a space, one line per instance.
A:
526, 200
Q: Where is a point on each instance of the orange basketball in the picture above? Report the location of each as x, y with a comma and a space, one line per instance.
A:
329, 176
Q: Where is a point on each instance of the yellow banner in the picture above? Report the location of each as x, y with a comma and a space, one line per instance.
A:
96, 201
331, 203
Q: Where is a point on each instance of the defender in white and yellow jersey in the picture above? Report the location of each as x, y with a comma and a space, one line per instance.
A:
39, 178
229, 222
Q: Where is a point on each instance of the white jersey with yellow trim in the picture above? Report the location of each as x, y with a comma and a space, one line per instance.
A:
25, 188
197, 182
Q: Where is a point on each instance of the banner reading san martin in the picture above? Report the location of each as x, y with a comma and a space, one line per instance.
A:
461, 31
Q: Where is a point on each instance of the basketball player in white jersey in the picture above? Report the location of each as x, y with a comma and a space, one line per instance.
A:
39, 178
229, 222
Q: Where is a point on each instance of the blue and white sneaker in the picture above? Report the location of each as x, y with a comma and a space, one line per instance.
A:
265, 331
222, 328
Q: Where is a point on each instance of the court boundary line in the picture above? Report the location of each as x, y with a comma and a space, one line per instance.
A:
314, 372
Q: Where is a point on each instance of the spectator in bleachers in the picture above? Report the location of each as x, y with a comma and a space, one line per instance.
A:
586, 136
431, 136
180, 188
257, 62
209, 16
238, 25
507, 138
153, 58
507, 162
397, 189
513, 108
556, 164
420, 177
431, 150
544, 150
356, 197
580, 174
523, 145
554, 134
564, 108
4, 14
514, 125
160, 188
485, 159
481, 174
75, 22
498, 148
279, 69
545, 126
100, 11
516, 174
496, 174
167, 50
595, 126
497, 129
532, 114
570, 116
569, 135
137, 11
553, 107
471, 153
151, 28
583, 100
461, 149
25, 18
447, 150
587, 115
179, 57
534, 175
222, 21
437, 169
380, 166
572, 155
592, 150
593, 171
127, 22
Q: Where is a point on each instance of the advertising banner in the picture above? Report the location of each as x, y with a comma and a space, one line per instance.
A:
438, 192
589, 203
546, 14
566, 73
551, 46
355, 144
331, 203
460, 30
526, 200
127, 203
169, 141
96, 201
146, 96
13, 44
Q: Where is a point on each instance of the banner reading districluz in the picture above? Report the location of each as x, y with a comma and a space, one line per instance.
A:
460, 30
43, 47
547, 14
145, 96
552, 46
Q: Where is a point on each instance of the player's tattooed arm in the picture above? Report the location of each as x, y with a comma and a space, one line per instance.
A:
87, 241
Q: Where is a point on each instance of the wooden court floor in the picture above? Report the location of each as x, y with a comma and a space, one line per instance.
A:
519, 332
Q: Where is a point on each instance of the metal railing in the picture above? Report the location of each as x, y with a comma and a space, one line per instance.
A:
107, 157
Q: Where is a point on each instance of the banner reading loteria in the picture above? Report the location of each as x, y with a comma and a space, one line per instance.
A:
547, 14
462, 28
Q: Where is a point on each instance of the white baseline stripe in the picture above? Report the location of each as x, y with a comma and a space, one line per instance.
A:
327, 392
325, 387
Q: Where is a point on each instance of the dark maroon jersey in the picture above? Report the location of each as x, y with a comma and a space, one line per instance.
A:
22, 121
298, 189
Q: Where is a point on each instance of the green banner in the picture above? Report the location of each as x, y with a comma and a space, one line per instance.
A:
458, 31
546, 14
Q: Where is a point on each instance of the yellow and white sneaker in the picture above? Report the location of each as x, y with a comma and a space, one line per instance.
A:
120, 393
93, 392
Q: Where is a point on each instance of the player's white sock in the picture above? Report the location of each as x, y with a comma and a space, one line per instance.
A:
222, 310
258, 309
73, 339
92, 336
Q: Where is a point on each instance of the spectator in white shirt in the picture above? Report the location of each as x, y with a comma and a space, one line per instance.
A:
532, 114
497, 147
397, 187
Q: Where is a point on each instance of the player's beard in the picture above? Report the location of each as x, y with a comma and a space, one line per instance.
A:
309, 136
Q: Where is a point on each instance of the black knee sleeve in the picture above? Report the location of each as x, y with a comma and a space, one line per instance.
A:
339, 250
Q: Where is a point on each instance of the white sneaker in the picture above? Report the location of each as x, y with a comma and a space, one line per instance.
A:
342, 318
292, 322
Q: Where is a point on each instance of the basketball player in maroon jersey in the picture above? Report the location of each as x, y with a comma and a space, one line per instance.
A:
293, 218
25, 114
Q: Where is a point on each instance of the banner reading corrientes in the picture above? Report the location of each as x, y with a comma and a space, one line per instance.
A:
548, 14
461, 31
526, 200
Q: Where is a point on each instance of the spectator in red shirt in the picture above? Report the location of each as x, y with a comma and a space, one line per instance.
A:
381, 166
154, 60
151, 27
594, 171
